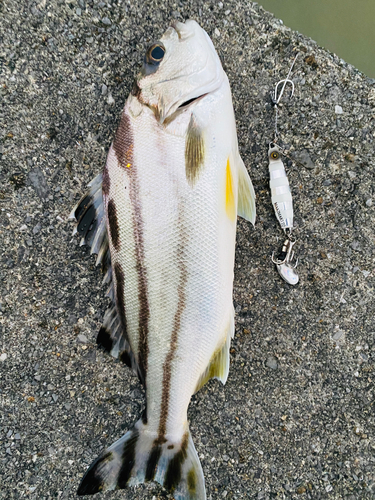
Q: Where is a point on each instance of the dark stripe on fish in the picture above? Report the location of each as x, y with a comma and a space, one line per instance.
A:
120, 299
152, 462
92, 482
144, 314
167, 366
174, 471
106, 181
123, 147
194, 151
128, 461
113, 224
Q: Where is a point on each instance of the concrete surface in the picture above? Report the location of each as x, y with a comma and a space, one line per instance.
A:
296, 418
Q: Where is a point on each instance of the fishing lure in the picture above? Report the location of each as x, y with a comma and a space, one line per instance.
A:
281, 195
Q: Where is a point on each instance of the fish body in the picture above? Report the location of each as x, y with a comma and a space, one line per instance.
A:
172, 187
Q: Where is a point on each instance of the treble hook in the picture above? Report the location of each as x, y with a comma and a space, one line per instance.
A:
284, 263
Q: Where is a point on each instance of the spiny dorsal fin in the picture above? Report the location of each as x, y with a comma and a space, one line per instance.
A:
91, 226
246, 194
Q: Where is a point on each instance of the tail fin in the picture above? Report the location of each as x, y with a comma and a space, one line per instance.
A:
138, 457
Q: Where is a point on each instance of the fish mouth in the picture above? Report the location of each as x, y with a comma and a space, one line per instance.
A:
190, 101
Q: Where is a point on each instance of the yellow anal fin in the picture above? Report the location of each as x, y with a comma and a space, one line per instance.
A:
246, 194
230, 205
218, 367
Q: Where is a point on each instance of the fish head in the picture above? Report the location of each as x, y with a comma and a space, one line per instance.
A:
180, 68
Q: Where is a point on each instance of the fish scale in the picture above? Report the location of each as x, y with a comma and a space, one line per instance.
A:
173, 185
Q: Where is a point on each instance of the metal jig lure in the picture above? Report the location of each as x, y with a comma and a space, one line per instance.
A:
281, 195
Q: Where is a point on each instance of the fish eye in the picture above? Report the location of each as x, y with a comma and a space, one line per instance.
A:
275, 155
155, 53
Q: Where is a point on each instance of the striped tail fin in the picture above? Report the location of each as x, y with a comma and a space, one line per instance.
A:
138, 457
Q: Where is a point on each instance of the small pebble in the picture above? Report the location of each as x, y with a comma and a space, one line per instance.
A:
217, 32
9, 433
369, 202
82, 339
37, 228
110, 99
3, 356
272, 363
17, 436
104, 89
355, 245
338, 110
68, 406
78, 11
106, 21
338, 335
55, 397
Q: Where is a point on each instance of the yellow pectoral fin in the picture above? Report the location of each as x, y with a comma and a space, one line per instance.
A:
246, 194
230, 205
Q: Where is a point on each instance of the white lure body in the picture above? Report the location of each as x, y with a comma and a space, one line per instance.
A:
281, 195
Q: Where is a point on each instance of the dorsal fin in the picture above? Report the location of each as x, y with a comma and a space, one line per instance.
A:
91, 226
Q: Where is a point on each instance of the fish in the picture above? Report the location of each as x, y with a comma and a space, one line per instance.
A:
162, 220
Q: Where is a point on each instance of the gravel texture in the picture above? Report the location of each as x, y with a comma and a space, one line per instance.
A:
296, 417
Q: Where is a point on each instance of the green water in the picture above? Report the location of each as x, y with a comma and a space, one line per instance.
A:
346, 27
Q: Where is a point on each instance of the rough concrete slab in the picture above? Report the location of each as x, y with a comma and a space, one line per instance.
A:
296, 418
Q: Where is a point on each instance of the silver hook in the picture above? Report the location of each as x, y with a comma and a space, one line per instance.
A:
287, 80
276, 98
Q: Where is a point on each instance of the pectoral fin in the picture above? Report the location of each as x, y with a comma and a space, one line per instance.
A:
246, 194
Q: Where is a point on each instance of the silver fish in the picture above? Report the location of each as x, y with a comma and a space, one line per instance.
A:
162, 219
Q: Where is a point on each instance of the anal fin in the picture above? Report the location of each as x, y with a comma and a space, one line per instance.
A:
218, 366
